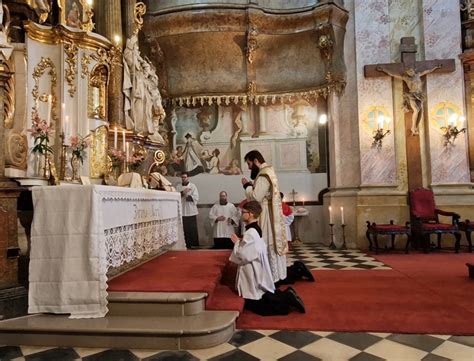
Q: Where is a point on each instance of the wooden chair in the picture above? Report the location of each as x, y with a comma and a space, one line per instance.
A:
467, 227
391, 229
425, 219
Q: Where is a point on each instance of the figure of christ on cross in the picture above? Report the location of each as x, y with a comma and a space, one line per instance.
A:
411, 72
414, 97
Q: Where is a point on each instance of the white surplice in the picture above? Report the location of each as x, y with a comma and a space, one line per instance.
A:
222, 229
189, 208
254, 276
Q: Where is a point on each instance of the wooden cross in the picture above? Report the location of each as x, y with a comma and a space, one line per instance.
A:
410, 71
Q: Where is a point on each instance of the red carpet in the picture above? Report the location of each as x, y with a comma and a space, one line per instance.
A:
422, 294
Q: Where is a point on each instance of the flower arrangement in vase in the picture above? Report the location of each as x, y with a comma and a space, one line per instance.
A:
78, 150
41, 132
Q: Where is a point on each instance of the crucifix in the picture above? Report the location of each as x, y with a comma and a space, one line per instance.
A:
293, 194
411, 72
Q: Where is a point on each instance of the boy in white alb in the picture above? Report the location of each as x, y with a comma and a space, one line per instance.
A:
254, 277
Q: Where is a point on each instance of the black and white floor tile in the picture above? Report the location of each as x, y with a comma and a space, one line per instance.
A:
278, 345
285, 345
315, 256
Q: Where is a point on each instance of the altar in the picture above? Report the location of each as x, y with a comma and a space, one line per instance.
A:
79, 232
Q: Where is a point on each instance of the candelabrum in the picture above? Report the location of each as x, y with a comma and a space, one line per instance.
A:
450, 134
379, 134
343, 226
332, 245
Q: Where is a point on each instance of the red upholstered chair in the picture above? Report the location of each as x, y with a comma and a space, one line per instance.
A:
391, 229
425, 220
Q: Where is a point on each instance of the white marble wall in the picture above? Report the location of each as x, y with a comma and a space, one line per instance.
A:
442, 40
372, 29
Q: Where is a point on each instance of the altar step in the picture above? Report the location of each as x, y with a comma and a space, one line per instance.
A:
154, 320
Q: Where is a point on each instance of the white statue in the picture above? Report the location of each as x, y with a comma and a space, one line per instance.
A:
134, 86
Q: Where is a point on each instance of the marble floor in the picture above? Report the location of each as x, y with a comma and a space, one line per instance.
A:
287, 345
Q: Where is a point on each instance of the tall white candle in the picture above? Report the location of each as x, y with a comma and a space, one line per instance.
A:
50, 104
115, 138
342, 215
127, 151
66, 130
124, 140
330, 215
303, 202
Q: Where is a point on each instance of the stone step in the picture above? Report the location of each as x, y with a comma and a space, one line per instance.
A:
156, 303
206, 329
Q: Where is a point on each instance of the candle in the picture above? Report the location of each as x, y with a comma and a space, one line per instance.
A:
380, 121
50, 104
342, 215
330, 215
303, 202
66, 129
123, 139
115, 138
452, 119
127, 152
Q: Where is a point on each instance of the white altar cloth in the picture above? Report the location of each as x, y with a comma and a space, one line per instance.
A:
79, 231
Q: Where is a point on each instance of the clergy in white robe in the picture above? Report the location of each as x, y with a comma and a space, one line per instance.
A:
254, 280
224, 217
189, 199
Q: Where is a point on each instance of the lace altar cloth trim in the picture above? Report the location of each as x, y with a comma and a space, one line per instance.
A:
127, 243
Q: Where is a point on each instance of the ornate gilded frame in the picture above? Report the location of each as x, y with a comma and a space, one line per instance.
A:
84, 15
40, 69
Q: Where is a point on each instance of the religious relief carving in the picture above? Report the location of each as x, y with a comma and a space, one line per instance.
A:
16, 150
325, 41
41, 8
252, 43
38, 72
71, 50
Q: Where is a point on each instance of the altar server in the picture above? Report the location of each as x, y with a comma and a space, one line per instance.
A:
224, 217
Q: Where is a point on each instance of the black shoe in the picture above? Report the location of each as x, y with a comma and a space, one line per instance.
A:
294, 300
304, 271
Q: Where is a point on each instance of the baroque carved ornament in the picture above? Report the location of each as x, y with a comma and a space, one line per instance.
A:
85, 61
139, 11
252, 43
71, 50
38, 72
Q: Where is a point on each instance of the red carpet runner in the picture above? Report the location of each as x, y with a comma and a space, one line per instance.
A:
422, 294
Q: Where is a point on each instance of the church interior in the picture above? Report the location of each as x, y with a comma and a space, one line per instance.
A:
364, 109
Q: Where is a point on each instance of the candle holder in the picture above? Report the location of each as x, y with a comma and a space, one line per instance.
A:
343, 226
332, 245
62, 170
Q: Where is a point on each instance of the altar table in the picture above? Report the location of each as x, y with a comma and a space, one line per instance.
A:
80, 231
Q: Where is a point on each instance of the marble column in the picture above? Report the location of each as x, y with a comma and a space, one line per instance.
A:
109, 19
128, 16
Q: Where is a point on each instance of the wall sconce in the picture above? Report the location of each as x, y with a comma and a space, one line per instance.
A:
380, 133
451, 131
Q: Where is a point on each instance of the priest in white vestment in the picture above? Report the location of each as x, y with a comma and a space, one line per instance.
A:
189, 199
224, 217
265, 190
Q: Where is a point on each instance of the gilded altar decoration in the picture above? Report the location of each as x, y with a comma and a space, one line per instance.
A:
38, 72
88, 24
71, 50
97, 95
324, 40
9, 103
139, 11
252, 43
85, 61
98, 152
42, 8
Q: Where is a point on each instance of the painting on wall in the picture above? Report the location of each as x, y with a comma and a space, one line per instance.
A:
213, 140
72, 12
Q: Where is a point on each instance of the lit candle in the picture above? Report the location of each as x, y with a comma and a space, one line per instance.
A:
66, 129
462, 118
380, 121
115, 138
123, 139
342, 215
452, 119
330, 215
117, 40
323, 119
50, 104
127, 152
303, 202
